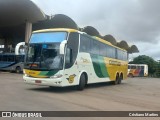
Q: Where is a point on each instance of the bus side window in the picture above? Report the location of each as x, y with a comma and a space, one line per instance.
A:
95, 47
1, 57
111, 52
85, 44
103, 49
142, 67
11, 58
19, 58
16, 59
4, 58
133, 67
129, 67
23, 57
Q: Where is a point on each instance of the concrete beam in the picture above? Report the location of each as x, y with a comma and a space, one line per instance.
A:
28, 31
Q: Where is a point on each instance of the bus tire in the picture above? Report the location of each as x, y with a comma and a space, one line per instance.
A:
117, 80
120, 79
82, 82
18, 69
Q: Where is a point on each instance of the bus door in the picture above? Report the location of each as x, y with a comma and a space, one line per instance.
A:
71, 68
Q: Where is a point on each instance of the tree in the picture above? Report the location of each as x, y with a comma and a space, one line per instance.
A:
158, 69
143, 59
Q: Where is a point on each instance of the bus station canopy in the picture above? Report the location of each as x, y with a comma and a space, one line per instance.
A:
56, 21
110, 39
91, 31
123, 44
16, 12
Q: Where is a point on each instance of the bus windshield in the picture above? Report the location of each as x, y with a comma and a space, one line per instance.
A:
43, 51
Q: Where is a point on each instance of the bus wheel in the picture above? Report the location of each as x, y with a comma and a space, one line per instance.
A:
117, 80
120, 79
82, 82
18, 69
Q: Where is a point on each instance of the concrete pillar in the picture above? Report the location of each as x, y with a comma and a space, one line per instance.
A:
28, 31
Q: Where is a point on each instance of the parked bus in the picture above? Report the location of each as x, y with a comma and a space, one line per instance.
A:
11, 62
67, 57
137, 70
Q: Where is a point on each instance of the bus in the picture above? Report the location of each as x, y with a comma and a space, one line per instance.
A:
68, 57
11, 62
137, 70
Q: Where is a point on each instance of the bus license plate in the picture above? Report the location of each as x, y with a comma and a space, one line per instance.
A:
38, 81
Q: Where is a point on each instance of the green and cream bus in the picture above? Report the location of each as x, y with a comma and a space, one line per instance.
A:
68, 57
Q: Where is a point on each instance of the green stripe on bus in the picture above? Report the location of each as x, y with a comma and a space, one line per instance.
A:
51, 73
99, 66
48, 73
103, 67
96, 66
43, 73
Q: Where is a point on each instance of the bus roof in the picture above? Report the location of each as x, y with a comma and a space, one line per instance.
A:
73, 30
11, 54
7, 54
56, 29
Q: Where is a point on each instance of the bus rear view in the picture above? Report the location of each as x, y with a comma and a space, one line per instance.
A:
137, 70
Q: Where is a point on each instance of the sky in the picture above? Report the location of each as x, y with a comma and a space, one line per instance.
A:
135, 21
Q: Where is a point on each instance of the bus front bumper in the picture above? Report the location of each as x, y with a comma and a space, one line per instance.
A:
43, 81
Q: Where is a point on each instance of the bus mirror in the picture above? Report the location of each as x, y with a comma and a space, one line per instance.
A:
20, 48
62, 47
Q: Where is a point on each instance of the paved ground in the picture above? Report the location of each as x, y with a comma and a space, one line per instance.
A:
134, 94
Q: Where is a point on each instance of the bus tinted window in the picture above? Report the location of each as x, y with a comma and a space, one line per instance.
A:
119, 54
142, 67
85, 44
20, 58
122, 55
129, 67
4, 58
133, 67
95, 47
125, 56
138, 67
90, 45
1, 57
10, 58
111, 52
103, 49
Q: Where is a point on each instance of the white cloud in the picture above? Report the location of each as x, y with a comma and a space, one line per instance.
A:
136, 21
149, 49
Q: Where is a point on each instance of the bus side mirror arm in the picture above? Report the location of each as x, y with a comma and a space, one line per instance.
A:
62, 47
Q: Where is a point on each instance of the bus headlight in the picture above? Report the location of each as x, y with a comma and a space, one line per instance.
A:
57, 76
